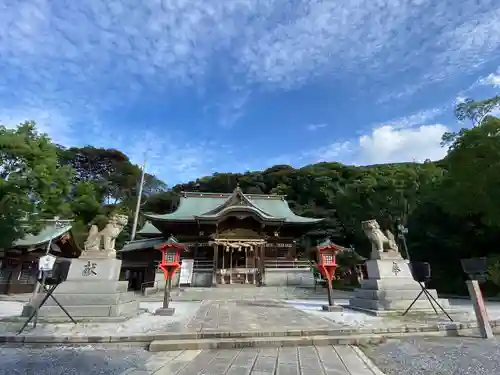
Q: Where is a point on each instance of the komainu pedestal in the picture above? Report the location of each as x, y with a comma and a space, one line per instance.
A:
91, 292
390, 288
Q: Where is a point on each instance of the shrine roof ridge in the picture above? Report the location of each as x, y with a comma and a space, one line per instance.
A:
195, 206
196, 194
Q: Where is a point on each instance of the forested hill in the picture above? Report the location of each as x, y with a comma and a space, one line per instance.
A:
450, 207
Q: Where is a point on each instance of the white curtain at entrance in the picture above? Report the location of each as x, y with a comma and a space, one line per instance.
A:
238, 245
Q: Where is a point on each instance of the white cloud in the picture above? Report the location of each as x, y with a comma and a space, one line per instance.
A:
79, 59
389, 145
492, 79
409, 138
125, 45
314, 127
48, 121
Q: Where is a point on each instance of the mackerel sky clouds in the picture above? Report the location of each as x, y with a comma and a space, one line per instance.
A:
211, 85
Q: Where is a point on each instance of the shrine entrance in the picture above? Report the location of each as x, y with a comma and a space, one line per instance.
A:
236, 260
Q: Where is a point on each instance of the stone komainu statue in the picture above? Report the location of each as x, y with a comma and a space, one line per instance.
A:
382, 242
108, 235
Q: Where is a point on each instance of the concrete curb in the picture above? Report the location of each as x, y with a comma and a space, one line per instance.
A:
261, 342
341, 334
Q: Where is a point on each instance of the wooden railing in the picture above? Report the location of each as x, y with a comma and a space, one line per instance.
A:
285, 263
203, 265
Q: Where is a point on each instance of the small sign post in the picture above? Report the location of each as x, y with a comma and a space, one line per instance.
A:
476, 269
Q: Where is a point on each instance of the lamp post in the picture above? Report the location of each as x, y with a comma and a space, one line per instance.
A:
170, 263
326, 265
402, 231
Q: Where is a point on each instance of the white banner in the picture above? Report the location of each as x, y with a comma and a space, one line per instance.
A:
186, 275
46, 262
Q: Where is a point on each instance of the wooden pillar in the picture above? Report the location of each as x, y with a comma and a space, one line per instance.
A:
214, 276
261, 263
246, 265
223, 266
231, 265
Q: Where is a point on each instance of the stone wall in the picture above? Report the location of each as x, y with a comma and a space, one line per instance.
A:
200, 279
289, 276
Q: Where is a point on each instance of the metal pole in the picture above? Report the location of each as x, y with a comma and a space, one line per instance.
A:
330, 291
38, 285
402, 231
139, 196
41, 285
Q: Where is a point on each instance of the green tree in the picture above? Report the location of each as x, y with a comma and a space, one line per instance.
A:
470, 187
476, 110
33, 184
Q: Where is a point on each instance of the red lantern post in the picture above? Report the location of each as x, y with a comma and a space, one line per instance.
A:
170, 264
326, 265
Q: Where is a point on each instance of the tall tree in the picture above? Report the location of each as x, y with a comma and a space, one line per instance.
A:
476, 110
33, 184
470, 186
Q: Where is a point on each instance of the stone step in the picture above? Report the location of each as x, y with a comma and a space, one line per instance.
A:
261, 342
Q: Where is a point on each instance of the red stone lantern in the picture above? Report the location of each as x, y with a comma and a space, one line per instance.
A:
326, 265
170, 264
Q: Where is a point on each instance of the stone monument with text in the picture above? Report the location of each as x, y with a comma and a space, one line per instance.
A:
390, 286
93, 290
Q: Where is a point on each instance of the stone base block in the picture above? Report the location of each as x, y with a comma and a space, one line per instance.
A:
391, 283
98, 299
91, 287
127, 309
92, 290
169, 311
393, 295
396, 305
391, 288
331, 308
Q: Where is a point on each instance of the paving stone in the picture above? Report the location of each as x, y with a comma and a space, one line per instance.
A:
179, 363
287, 369
237, 370
199, 363
264, 364
135, 361
331, 361
352, 361
308, 358
287, 356
246, 357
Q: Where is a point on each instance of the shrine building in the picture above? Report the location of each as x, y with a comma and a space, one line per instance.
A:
19, 264
231, 238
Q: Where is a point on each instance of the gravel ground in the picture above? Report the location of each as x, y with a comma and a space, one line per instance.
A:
89, 360
437, 356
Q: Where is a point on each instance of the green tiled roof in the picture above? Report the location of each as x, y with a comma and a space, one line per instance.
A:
49, 232
194, 206
142, 244
148, 230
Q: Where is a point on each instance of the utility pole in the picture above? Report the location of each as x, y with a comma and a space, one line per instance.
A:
139, 196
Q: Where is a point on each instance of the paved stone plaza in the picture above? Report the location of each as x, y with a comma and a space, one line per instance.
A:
268, 315
338, 360
248, 310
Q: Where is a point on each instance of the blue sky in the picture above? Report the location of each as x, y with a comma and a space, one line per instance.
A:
237, 85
